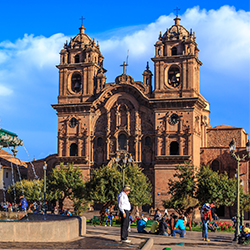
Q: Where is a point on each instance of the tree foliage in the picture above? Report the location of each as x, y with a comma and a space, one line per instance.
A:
212, 186
140, 185
106, 183
65, 182
32, 190
190, 187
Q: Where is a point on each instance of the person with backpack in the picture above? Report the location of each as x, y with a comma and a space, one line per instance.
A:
206, 216
23, 203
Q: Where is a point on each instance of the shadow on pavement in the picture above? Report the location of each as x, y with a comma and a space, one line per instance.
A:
83, 243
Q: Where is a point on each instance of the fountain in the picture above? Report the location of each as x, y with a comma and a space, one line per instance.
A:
33, 227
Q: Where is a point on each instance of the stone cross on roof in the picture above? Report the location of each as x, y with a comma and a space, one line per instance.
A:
177, 10
82, 18
124, 65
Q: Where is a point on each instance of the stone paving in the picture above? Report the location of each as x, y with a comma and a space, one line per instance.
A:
100, 237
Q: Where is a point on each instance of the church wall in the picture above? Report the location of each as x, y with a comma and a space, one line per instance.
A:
163, 174
226, 163
222, 137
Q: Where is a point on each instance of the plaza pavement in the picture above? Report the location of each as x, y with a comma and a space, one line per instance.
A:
100, 237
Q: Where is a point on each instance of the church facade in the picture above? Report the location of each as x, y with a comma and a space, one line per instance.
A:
162, 121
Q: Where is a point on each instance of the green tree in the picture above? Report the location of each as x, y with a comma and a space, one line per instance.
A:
216, 187
32, 190
65, 182
106, 183
193, 187
182, 189
140, 185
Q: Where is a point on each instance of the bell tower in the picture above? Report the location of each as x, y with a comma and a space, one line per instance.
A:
176, 63
81, 69
81, 78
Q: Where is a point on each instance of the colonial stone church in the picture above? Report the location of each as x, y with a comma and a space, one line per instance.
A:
162, 121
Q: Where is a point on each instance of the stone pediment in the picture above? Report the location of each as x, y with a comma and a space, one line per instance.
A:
121, 87
124, 79
127, 79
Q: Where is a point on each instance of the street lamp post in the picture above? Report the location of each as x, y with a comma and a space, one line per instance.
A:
232, 148
126, 159
44, 202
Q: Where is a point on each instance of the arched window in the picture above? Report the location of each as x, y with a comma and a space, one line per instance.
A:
174, 51
148, 141
122, 141
73, 149
174, 76
215, 165
77, 59
76, 84
99, 142
174, 148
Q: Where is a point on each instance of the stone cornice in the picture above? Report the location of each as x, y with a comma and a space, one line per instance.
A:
173, 158
77, 65
178, 103
72, 159
175, 58
72, 107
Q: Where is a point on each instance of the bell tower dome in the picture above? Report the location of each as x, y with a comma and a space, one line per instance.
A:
81, 69
176, 63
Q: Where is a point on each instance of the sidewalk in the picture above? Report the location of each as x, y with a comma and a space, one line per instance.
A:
100, 237
192, 241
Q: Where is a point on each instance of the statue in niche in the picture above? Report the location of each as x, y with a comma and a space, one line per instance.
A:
132, 146
99, 155
112, 146
147, 155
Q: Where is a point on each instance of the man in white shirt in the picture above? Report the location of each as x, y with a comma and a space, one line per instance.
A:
124, 207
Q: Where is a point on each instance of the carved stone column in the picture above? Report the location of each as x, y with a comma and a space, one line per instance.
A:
181, 145
66, 58
166, 145
128, 120
158, 145
92, 149
117, 119
107, 147
108, 122
79, 143
136, 121
139, 150
136, 148
67, 147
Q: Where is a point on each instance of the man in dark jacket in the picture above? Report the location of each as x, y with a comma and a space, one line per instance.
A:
163, 227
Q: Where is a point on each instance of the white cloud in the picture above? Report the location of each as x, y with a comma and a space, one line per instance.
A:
4, 91
223, 37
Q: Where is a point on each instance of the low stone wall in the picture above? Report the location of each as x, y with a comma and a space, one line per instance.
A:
11, 215
55, 228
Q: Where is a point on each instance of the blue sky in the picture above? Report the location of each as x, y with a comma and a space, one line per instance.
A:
33, 33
